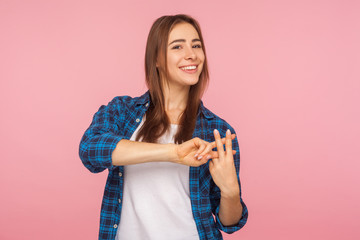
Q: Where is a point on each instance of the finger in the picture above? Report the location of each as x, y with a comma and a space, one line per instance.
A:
219, 144
204, 160
208, 151
205, 150
228, 143
223, 140
211, 164
214, 154
215, 161
201, 149
197, 142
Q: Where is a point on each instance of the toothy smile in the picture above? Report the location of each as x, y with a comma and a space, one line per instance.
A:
189, 67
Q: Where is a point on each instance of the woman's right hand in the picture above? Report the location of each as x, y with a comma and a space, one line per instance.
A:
196, 152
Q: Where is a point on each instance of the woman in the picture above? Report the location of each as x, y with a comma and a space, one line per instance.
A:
165, 181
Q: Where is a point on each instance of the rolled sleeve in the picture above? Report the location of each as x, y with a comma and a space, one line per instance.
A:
101, 138
233, 228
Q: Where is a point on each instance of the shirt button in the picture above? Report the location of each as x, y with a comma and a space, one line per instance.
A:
115, 225
120, 174
137, 120
119, 200
147, 104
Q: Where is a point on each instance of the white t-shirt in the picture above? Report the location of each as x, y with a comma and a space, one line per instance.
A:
156, 202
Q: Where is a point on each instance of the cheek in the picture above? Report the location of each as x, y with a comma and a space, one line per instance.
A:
171, 62
202, 56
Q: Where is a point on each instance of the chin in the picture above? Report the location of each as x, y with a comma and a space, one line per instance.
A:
186, 81
191, 82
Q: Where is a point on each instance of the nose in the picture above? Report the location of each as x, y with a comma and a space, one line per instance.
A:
190, 53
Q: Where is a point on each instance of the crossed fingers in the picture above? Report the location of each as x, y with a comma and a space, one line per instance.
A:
219, 145
205, 148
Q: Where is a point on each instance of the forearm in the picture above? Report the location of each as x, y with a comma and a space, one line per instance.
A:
130, 152
230, 210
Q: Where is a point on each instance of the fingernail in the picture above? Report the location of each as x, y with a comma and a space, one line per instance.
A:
200, 157
228, 132
196, 155
216, 131
208, 157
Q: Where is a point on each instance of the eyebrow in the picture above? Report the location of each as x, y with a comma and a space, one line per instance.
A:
183, 40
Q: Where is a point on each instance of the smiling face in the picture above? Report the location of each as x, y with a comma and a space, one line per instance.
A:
185, 56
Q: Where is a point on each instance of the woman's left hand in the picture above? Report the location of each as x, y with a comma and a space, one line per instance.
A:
222, 169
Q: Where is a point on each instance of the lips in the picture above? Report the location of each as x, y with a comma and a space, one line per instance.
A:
189, 68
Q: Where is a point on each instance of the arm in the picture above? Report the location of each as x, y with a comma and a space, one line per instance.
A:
193, 152
231, 212
102, 136
130, 152
102, 145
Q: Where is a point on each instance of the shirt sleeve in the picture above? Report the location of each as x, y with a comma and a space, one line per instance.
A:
102, 136
233, 228
215, 196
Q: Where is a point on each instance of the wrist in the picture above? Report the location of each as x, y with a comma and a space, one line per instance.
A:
173, 153
230, 192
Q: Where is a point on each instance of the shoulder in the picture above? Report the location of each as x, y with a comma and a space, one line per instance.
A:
215, 121
128, 101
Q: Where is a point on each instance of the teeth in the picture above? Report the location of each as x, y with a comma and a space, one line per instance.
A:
188, 68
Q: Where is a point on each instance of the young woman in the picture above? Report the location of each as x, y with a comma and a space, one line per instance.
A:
169, 173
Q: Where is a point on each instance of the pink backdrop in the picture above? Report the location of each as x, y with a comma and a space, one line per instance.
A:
284, 73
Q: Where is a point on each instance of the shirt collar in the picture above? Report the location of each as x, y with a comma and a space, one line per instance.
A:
205, 111
145, 98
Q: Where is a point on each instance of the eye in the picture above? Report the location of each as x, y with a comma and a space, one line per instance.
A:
176, 47
197, 46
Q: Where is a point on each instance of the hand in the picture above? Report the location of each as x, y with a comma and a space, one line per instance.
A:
196, 151
222, 168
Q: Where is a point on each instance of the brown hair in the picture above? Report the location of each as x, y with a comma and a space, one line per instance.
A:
156, 120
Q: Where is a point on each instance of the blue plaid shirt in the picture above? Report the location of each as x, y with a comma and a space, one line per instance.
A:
118, 120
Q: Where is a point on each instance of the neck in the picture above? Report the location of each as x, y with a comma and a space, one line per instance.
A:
176, 97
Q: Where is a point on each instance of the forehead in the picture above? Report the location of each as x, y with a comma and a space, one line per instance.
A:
183, 31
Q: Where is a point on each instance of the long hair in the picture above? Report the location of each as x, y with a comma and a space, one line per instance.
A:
156, 120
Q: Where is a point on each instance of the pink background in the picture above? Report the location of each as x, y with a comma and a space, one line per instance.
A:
284, 73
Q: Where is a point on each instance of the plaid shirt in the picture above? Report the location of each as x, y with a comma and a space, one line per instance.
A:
118, 120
